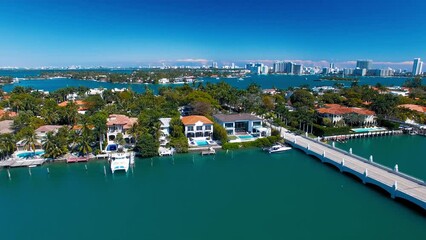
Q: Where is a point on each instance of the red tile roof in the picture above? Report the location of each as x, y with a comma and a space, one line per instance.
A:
4, 113
118, 119
337, 109
414, 107
191, 120
81, 104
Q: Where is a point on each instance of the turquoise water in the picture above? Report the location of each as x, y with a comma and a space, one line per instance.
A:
236, 195
245, 137
269, 81
366, 130
201, 143
29, 154
405, 150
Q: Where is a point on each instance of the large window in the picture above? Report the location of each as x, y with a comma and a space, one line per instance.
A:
256, 123
208, 127
199, 128
190, 128
241, 126
229, 125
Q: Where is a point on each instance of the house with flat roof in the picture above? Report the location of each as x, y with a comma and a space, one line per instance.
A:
241, 123
197, 126
342, 114
117, 123
165, 130
42, 131
6, 126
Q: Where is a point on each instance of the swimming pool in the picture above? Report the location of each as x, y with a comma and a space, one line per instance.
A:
112, 147
30, 154
201, 143
366, 130
246, 137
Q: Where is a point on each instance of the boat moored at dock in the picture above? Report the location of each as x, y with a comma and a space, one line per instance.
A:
120, 161
278, 148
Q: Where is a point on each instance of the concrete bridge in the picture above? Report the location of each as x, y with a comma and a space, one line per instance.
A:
397, 184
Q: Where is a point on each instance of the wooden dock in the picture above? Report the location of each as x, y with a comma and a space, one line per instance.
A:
77, 159
397, 184
362, 135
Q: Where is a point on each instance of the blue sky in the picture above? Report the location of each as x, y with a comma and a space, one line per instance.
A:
130, 33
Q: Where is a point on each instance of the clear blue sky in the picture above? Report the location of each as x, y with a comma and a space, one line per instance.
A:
125, 32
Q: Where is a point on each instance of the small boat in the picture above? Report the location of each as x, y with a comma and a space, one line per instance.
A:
120, 161
278, 148
240, 79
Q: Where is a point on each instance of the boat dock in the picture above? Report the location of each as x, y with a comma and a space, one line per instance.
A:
22, 163
77, 159
210, 151
362, 135
397, 184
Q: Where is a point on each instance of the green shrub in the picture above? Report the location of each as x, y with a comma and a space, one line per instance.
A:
330, 131
260, 143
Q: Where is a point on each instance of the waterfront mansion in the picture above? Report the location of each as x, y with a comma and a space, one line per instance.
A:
338, 114
116, 124
197, 126
242, 123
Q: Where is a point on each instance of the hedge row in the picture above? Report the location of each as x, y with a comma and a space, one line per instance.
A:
330, 131
260, 142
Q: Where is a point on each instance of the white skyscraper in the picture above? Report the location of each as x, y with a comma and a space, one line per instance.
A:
417, 67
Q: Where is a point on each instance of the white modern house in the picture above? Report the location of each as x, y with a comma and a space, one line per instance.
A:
165, 130
118, 123
242, 123
197, 126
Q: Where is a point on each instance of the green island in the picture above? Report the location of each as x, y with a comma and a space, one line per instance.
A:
154, 76
83, 130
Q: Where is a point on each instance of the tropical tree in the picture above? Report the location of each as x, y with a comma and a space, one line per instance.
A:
7, 145
30, 139
53, 146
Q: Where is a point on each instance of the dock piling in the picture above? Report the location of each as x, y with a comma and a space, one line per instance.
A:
85, 166
104, 170
29, 171
47, 170
152, 162
8, 174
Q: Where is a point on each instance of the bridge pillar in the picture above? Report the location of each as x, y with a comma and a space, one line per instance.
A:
342, 164
350, 151
333, 144
294, 140
395, 188
318, 139
365, 175
308, 147
396, 168
306, 134
371, 158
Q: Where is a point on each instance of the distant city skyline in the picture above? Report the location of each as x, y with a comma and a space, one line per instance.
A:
126, 33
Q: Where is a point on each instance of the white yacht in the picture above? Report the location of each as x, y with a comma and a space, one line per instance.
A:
278, 148
120, 161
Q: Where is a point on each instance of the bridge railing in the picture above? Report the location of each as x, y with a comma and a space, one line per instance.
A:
385, 168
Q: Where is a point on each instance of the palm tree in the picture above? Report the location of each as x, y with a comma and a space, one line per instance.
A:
7, 145
84, 147
52, 146
30, 139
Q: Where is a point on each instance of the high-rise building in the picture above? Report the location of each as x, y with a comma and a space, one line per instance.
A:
363, 64
232, 65
288, 68
298, 69
278, 67
214, 65
417, 67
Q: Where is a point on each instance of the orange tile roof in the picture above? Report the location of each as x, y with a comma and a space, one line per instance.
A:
337, 109
414, 107
118, 119
81, 104
4, 113
191, 120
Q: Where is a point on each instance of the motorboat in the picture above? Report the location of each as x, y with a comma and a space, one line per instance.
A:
278, 148
120, 161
